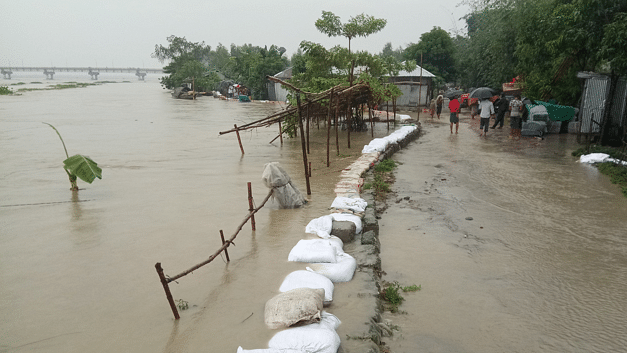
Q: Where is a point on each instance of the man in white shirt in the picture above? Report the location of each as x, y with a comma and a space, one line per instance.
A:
487, 110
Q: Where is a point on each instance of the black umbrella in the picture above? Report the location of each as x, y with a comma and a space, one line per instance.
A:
453, 93
482, 93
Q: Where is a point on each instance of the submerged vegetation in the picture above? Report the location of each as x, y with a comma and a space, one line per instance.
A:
78, 166
4, 90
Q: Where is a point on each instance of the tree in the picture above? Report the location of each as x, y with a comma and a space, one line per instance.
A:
388, 51
178, 47
359, 26
250, 65
187, 63
437, 49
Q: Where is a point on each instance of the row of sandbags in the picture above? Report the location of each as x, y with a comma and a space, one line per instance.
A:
299, 308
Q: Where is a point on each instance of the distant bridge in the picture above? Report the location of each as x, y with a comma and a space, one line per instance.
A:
92, 71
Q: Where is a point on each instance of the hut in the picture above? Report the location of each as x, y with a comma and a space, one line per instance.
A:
603, 108
276, 92
416, 87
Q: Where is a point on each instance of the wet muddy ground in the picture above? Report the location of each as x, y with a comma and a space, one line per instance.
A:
516, 245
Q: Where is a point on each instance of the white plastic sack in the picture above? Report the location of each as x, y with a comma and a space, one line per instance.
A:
242, 350
594, 158
285, 192
297, 306
320, 226
314, 338
348, 217
308, 279
346, 203
314, 250
341, 271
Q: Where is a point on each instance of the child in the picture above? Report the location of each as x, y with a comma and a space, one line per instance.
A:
432, 108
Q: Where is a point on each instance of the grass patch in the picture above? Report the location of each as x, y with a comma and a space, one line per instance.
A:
18, 84
36, 83
4, 90
382, 178
391, 294
611, 151
387, 165
617, 174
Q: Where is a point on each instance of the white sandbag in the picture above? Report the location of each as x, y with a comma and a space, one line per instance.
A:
320, 226
348, 217
314, 338
314, 250
285, 192
308, 279
346, 203
297, 306
341, 271
242, 350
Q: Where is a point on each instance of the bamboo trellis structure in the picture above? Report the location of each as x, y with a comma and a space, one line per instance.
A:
334, 106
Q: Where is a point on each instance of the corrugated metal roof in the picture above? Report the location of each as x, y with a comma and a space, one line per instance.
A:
415, 73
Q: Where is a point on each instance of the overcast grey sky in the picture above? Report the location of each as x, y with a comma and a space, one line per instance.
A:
123, 33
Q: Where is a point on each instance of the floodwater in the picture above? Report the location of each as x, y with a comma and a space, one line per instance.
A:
77, 270
516, 245
541, 267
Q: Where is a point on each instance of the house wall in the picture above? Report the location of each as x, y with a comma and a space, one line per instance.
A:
411, 92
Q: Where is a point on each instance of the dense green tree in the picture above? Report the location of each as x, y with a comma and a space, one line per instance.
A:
359, 26
186, 64
437, 49
250, 65
389, 51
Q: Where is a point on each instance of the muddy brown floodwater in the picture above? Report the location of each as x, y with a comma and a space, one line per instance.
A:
77, 270
517, 246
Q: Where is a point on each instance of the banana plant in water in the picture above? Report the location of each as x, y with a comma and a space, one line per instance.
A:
79, 166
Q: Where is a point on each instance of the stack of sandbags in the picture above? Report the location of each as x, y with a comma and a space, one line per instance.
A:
320, 337
294, 307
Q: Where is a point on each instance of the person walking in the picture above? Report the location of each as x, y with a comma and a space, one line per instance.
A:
502, 106
515, 117
454, 107
432, 108
487, 110
438, 103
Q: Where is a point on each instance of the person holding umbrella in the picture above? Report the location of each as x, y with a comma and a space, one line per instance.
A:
454, 107
486, 108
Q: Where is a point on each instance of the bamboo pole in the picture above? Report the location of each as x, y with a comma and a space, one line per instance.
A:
226, 252
302, 140
307, 122
166, 288
419, 90
281, 132
238, 138
226, 244
337, 136
250, 205
329, 126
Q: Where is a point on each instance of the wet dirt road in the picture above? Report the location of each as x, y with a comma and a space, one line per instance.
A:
517, 246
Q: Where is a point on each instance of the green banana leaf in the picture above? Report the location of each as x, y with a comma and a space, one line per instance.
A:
83, 167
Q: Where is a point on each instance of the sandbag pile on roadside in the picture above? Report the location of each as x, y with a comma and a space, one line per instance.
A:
305, 292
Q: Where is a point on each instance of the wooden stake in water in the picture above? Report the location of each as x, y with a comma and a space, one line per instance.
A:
250, 205
304, 146
166, 288
226, 252
238, 138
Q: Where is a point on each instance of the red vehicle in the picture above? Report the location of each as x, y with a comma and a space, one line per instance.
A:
466, 102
